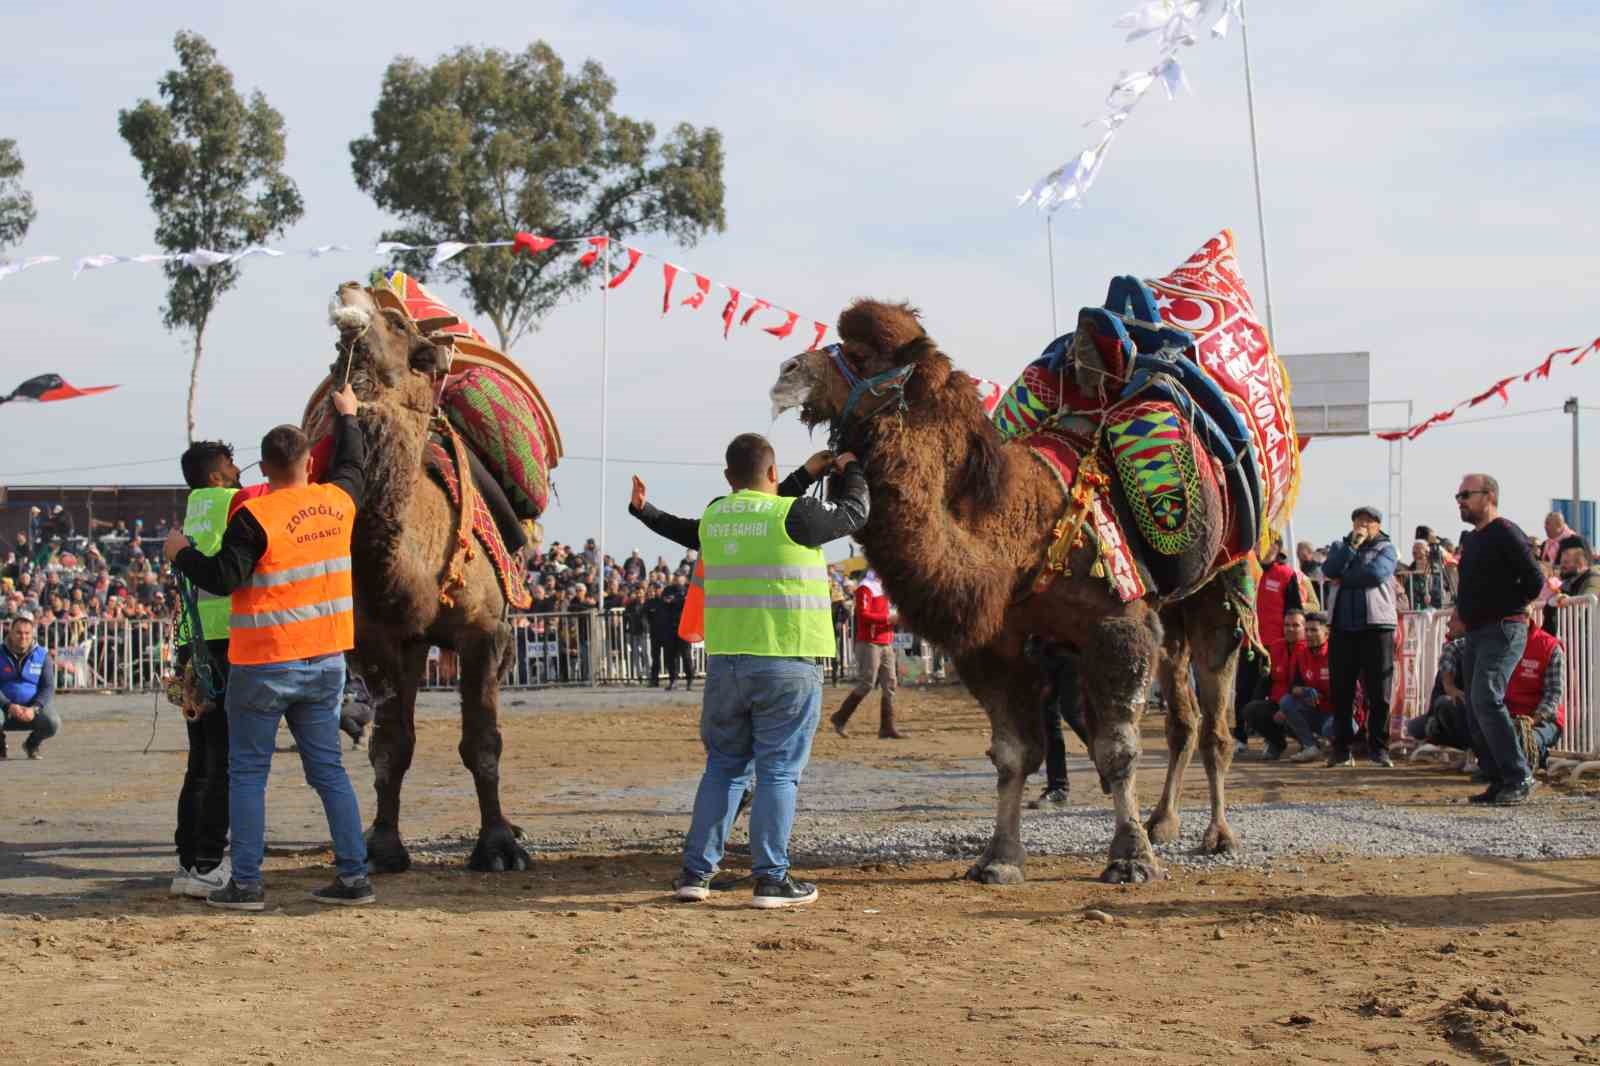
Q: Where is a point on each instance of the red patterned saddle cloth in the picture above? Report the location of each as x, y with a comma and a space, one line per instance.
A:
507, 567
1061, 451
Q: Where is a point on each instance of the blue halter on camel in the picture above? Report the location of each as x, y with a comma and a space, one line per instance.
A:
887, 383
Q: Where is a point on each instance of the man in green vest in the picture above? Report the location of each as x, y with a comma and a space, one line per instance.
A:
202, 834
768, 622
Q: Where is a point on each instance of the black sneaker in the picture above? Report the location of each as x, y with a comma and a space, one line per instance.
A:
236, 897
690, 888
31, 750
1340, 757
1380, 757
1481, 777
3, 753
788, 892
1272, 754
1487, 796
357, 894
1512, 795
1050, 797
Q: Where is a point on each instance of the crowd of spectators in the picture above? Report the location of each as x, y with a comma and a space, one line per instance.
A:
115, 571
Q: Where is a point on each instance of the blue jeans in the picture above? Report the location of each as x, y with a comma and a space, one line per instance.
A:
1492, 652
307, 693
757, 712
1304, 718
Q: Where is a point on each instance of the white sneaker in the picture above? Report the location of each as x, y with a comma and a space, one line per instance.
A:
202, 885
181, 876
1239, 748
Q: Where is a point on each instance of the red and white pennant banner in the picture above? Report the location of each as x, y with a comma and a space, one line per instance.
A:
520, 244
1578, 354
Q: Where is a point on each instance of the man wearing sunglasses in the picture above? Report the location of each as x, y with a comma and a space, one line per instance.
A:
1499, 578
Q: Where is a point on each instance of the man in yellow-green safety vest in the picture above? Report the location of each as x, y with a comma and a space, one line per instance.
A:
768, 622
202, 836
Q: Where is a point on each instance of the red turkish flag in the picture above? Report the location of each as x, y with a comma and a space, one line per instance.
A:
816, 342
532, 243
759, 305
729, 309
596, 246
788, 326
703, 286
668, 272
633, 261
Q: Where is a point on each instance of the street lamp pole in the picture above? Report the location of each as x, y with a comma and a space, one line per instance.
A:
1571, 408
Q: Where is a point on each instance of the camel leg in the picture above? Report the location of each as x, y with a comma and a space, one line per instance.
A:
1009, 692
393, 673
1182, 717
1119, 660
483, 657
1216, 658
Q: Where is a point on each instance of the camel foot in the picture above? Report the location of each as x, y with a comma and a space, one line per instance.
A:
1163, 827
386, 852
498, 851
996, 873
1132, 871
1219, 839
890, 734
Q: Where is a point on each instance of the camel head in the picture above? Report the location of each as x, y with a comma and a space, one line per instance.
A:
389, 357
880, 346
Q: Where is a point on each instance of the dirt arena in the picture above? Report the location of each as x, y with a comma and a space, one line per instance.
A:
1298, 957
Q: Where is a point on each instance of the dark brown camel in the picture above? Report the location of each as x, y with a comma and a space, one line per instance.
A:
959, 527
403, 541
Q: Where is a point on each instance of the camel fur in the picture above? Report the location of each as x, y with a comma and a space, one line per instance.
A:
958, 529
402, 546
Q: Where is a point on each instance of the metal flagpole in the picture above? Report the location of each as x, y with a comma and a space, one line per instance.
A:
605, 441
1261, 217
1050, 243
1255, 166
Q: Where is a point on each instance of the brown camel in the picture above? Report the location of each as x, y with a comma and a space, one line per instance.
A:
400, 554
959, 527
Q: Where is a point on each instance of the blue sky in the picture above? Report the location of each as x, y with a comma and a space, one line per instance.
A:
1429, 175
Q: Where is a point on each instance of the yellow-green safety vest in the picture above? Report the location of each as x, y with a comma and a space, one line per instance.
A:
204, 523
764, 594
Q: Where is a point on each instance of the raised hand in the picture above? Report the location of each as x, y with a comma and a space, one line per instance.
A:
344, 401
818, 464
636, 500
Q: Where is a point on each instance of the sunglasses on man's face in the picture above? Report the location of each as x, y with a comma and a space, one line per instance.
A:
1469, 493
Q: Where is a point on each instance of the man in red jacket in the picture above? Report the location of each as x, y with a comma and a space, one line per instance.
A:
875, 658
1537, 688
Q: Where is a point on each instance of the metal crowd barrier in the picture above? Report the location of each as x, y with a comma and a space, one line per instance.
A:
1578, 629
123, 655
550, 651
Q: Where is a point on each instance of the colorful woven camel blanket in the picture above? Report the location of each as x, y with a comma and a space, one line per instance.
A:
1173, 386
508, 566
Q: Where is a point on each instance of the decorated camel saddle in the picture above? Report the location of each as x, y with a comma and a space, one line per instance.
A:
494, 440
1171, 385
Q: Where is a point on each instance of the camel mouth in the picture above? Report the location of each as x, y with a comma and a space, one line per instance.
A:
793, 390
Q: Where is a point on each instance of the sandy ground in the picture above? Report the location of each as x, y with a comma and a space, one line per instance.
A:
582, 959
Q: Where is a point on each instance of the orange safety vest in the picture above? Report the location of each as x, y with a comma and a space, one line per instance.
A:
692, 624
297, 604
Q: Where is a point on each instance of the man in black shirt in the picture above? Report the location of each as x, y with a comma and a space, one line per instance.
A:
1499, 578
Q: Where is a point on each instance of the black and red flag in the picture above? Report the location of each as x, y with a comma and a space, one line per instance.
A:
46, 388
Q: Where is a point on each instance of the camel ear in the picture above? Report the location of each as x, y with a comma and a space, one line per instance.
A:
913, 351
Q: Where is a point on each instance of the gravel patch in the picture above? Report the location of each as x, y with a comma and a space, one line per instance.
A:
1565, 829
